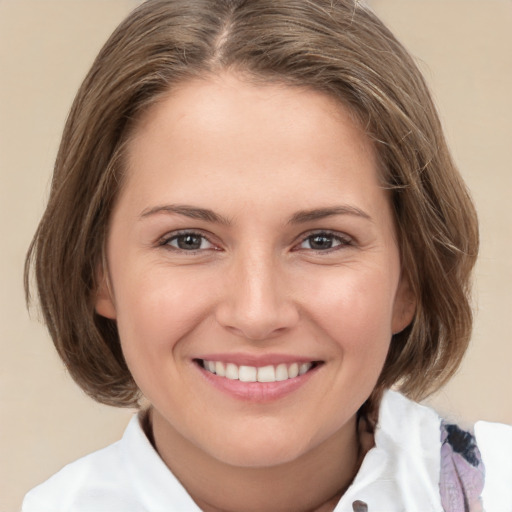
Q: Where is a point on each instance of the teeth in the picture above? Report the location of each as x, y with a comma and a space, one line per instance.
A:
304, 367
232, 371
281, 372
247, 374
293, 371
268, 373
219, 369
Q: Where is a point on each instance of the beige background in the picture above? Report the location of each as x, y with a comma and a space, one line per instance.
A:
46, 46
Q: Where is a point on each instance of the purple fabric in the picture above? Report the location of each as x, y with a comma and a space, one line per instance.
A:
462, 475
462, 471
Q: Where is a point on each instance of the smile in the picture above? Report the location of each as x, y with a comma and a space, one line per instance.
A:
269, 373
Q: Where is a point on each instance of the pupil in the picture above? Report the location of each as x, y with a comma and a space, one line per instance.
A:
321, 242
189, 242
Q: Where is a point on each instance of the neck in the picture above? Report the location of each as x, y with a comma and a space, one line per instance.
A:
313, 482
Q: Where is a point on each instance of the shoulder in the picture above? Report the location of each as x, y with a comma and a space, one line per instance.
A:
495, 443
447, 467
98, 481
401, 471
127, 476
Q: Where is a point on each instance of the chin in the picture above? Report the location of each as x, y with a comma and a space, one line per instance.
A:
260, 451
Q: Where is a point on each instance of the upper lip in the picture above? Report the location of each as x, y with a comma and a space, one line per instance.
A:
257, 360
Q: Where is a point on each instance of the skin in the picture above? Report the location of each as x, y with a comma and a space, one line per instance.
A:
255, 155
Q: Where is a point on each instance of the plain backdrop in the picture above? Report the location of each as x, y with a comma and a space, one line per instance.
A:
464, 48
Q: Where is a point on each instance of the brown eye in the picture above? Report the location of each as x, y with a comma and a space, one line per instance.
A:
189, 242
319, 242
323, 242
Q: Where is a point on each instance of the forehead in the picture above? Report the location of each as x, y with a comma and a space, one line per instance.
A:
225, 132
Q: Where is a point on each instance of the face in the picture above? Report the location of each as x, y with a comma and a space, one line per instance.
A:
253, 267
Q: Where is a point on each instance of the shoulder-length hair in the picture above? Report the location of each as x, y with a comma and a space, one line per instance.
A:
337, 47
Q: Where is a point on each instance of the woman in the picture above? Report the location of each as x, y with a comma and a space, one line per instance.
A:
255, 223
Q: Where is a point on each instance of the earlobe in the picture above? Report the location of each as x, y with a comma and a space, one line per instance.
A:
104, 302
404, 307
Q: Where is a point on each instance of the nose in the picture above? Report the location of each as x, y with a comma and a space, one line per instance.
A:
257, 302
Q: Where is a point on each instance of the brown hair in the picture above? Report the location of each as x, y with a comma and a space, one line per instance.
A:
337, 47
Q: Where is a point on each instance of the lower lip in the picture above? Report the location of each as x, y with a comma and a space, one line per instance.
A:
258, 392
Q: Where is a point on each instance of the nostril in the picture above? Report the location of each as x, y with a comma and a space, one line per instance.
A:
257, 325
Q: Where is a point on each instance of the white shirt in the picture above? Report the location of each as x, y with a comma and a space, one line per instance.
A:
400, 473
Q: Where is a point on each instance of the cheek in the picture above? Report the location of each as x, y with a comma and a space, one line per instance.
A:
355, 310
156, 311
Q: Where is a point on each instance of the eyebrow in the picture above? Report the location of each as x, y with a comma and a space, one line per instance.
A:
299, 217
192, 212
321, 213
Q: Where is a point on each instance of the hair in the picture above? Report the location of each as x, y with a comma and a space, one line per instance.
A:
338, 47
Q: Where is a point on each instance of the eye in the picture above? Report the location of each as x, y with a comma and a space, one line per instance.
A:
187, 241
324, 241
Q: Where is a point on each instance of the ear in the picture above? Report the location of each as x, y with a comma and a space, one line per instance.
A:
404, 307
104, 302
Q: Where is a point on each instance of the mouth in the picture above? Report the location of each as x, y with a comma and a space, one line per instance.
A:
263, 374
258, 378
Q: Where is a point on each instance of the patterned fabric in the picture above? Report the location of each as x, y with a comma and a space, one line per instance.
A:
360, 506
462, 471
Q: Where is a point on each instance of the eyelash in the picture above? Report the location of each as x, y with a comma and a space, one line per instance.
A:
167, 239
343, 241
